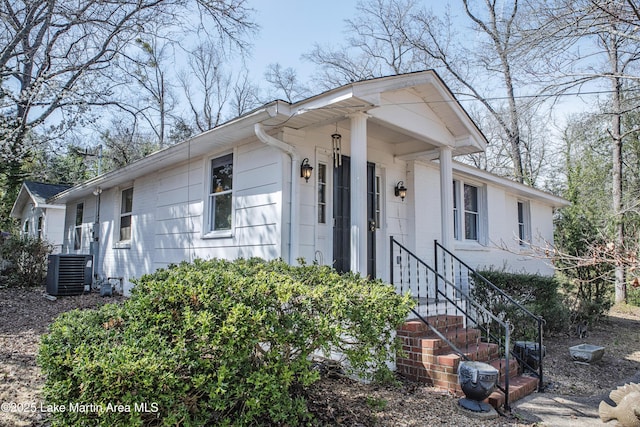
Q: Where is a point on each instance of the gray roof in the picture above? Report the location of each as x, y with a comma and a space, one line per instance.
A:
41, 191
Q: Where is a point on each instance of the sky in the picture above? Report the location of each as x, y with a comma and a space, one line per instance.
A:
289, 29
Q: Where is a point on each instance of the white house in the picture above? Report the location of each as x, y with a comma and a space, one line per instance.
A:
37, 217
381, 153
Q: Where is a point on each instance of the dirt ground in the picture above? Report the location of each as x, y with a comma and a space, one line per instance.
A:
25, 315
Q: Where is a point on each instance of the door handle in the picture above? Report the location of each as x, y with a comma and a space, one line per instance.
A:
372, 225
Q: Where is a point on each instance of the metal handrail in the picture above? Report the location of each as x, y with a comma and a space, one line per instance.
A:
538, 319
457, 307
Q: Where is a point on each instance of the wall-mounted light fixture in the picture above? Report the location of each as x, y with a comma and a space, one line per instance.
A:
401, 190
97, 191
305, 169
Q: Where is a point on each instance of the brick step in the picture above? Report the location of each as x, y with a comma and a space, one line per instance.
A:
501, 366
416, 327
483, 352
519, 387
462, 338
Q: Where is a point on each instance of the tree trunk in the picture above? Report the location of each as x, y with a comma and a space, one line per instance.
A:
618, 208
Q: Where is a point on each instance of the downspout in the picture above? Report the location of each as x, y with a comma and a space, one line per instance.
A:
293, 215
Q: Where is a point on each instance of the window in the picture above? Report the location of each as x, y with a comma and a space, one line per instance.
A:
524, 223
471, 212
126, 207
77, 239
456, 215
39, 229
467, 211
25, 227
322, 193
220, 193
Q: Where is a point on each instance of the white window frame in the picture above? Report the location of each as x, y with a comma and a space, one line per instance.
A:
208, 230
524, 222
77, 228
459, 211
124, 214
40, 226
322, 187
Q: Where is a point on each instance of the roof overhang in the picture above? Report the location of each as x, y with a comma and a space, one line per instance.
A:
401, 125
406, 133
513, 187
218, 138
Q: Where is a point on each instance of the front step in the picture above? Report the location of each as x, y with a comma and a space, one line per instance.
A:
430, 360
519, 387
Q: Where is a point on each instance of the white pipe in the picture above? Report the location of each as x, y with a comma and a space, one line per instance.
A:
293, 215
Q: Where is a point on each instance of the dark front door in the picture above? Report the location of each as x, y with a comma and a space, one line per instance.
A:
342, 217
371, 220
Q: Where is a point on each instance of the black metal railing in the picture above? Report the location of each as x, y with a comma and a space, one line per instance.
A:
472, 331
527, 327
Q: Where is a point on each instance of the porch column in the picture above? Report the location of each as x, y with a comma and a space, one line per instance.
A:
359, 193
446, 197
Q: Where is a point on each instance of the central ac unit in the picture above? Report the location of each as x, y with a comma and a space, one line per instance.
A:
69, 274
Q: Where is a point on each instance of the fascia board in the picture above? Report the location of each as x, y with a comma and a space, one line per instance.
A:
515, 187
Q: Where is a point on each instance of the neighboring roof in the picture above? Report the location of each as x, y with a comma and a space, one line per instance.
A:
41, 191
328, 107
37, 193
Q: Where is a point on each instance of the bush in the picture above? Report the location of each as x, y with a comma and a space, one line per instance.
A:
538, 294
588, 300
633, 295
23, 261
217, 343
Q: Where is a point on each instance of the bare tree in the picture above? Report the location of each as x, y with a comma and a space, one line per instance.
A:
285, 81
52, 53
206, 85
151, 75
487, 70
608, 30
485, 62
245, 95
377, 46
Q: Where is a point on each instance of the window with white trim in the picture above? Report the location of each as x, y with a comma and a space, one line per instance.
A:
77, 235
524, 223
322, 193
468, 211
39, 228
126, 209
221, 194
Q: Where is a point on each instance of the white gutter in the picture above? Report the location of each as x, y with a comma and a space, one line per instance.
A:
295, 159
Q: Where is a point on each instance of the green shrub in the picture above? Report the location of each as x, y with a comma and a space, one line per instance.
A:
633, 295
23, 260
538, 294
217, 343
588, 300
